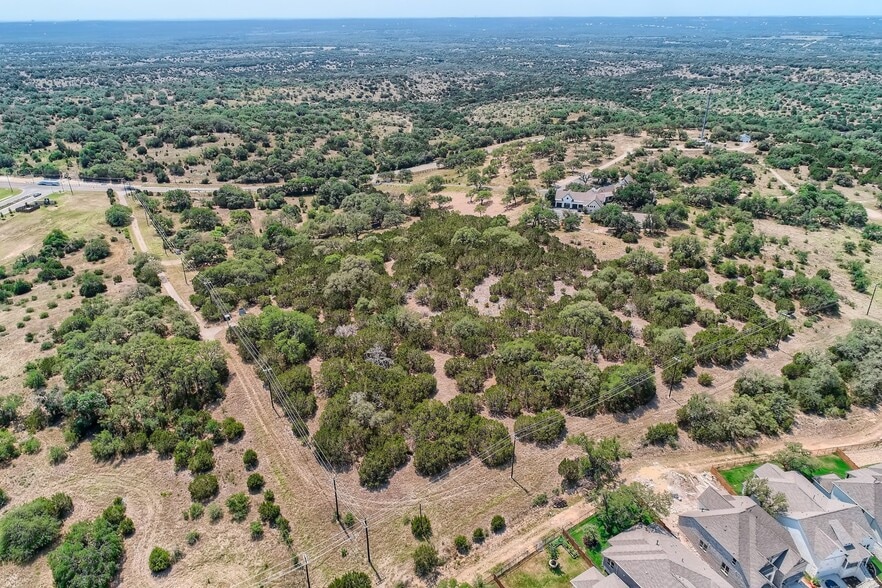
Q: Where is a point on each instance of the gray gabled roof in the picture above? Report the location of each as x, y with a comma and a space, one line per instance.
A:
654, 559
863, 487
804, 499
827, 524
593, 578
747, 533
596, 194
599, 195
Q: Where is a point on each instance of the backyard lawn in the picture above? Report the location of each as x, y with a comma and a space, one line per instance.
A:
831, 464
737, 475
578, 532
535, 573
827, 464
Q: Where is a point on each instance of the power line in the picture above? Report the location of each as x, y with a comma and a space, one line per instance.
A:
387, 513
381, 516
272, 382
274, 386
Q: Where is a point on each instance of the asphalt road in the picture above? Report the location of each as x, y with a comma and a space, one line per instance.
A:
29, 193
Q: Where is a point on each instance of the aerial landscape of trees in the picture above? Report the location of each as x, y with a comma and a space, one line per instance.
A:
377, 228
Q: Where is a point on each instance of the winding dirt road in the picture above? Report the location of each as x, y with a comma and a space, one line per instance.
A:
141, 245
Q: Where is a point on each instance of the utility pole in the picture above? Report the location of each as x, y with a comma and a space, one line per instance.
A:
421, 510
671, 383
306, 567
336, 501
267, 384
706, 111
367, 539
514, 443
871, 299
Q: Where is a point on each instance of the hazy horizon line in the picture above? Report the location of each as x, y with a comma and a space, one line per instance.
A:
352, 18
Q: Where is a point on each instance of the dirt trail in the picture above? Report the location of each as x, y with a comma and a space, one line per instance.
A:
296, 474
694, 461
425, 167
173, 294
136, 228
207, 332
272, 432
781, 179
863, 429
246, 388
292, 476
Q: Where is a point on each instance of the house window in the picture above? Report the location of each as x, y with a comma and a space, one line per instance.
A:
702, 545
734, 562
724, 569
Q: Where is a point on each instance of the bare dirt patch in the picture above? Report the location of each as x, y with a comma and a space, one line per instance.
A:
480, 298
446, 386
596, 238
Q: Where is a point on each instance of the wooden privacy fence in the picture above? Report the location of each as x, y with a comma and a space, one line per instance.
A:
841, 455
500, 570
715, 472
577, 547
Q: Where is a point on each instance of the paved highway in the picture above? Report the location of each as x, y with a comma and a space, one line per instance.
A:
84, 186
29, 193
31, 190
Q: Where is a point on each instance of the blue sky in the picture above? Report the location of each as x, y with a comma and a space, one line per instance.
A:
223, 9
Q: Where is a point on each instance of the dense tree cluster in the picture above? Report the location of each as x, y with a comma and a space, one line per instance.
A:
599, 467
622, 507
810, 207
55, 246
28, 528
857, 357
135, 376
823, 382
340, 292
375, 369
91, 553
762, 405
